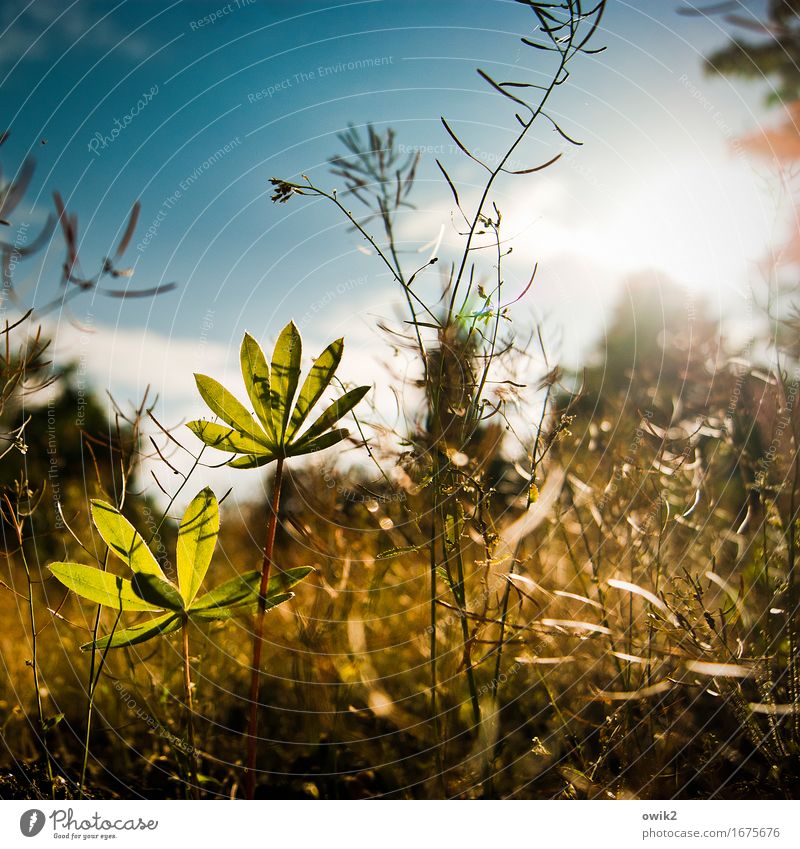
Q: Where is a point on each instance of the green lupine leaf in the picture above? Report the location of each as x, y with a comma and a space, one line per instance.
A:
316, 382
340, 407
224, 437
123, 539
284, 377
213, 614
320, 443
243, 589
225, 405
154, 590
100, 587
234, 591
255, 372
279, 582
251, 461
137, 634
197, 538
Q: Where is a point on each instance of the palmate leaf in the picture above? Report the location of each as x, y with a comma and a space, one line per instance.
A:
100, 587
316, 382
218, 614
235, 591
137, 633
224, 437
224, 404
284, 378
242, 590
197, 538
332, 414
320, 443
123, 539
155, 591
150, 591
256, 380
277, 436
252, 461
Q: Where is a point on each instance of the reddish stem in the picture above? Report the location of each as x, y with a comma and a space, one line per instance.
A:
258, 635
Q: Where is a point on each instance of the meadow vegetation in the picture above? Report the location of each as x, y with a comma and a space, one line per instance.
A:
547, 585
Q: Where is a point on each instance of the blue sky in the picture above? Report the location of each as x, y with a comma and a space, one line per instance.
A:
657, 184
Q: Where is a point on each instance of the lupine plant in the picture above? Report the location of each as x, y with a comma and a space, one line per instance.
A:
273, 433
151, 591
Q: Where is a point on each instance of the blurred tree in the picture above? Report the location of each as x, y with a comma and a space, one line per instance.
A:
658, 335
67, 449
771, 52
664, 381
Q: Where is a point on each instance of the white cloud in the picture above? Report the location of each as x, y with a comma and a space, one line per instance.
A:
126, 362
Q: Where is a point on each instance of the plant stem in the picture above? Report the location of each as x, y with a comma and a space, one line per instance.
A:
437, 732
258, 633
187, 685
41, 733
467, 639
501, 641
93, 679
17, 521
89, 707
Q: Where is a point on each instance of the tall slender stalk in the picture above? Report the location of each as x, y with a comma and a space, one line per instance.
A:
35, 668
437, 731
17, 522
94, 678
258, 633
187, 686
461, 597
89, 707
370, 181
